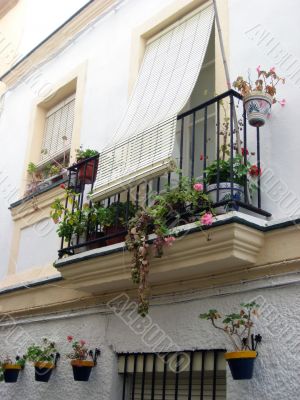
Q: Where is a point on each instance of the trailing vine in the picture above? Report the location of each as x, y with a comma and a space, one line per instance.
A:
184, 204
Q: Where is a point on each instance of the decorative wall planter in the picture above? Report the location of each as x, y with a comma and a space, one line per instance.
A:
11, 372
82, 369
225, 194
87, 171
258, 107
43, 371
241, 363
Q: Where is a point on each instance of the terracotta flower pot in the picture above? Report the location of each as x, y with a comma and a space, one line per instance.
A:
43, 371
11, 372
87, 172
82, 369
258, 107
111, 230
241, 363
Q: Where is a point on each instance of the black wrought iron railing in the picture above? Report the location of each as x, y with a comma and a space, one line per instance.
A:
212, 145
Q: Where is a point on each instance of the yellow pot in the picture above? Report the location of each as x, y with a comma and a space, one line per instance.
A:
82, 363
11, 366
44, 364
240, 354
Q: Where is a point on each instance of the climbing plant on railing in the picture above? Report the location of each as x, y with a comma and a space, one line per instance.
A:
174, 207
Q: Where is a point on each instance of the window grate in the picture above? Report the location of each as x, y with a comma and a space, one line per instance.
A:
189, 375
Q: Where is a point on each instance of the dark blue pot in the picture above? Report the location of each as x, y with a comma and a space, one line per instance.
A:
42, 374
241, 368
11, 375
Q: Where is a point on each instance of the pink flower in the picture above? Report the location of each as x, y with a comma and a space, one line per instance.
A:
63, 186
169, 240
207, 218
282, 102
272, 70
82, 342
258, 69
198, 187
69, 338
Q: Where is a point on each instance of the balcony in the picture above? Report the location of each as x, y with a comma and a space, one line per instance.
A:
206, 150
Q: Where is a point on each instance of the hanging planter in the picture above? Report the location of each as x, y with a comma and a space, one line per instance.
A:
43, 371
11, 372
82, 369
44, 359
258, 107
259, 97
241, 363
81, 366
237, 327
87, 169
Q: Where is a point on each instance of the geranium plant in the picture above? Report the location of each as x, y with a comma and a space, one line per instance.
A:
238, 327
259, 95
43, 353
266, 82
9, 369
79, 349
82, 359
188, 201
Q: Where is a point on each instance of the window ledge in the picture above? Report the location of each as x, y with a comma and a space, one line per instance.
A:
35, 201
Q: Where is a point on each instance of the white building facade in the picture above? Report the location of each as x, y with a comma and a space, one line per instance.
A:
73, 90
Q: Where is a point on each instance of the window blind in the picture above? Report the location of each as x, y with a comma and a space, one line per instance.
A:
58, 130
144, 141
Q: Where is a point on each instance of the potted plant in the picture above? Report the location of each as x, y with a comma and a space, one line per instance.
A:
259, 97
87, 171
44, 357
82, 359
158, 219
223, 167
238, 327
9, 370
113, 220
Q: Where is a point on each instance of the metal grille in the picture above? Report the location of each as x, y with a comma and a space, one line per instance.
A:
144, 142
187, 375
58, 130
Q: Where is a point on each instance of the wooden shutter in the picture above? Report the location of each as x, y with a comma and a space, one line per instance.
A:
58, 124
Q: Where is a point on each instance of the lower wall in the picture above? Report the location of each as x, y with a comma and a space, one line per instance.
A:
174, 318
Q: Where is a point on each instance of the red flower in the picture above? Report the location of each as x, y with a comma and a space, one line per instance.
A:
254, 171
69, 338
63, 186
243, 151
201, 157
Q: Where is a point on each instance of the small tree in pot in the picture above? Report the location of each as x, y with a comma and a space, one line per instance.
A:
9, 370
82, 359
238, 329
44, 358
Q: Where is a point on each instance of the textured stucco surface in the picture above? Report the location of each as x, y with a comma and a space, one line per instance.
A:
275, 370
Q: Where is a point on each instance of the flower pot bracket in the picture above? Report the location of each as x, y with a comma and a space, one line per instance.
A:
255, 341
94, 354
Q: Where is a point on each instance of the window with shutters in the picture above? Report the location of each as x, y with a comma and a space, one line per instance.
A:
58, 131
55, 140
189, 375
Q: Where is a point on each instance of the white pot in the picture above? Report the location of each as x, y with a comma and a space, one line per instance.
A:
225, 194
258, 107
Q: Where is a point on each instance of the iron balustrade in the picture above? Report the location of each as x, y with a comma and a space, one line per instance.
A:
202, 132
